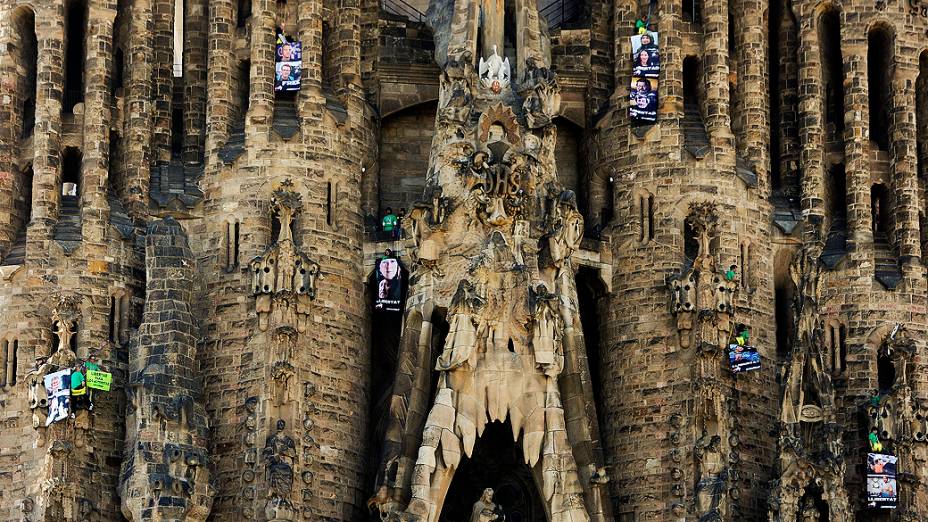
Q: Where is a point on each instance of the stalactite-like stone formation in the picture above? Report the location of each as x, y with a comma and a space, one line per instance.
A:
493, 241
166, 472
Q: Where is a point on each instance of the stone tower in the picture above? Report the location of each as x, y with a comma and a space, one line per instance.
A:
167, 470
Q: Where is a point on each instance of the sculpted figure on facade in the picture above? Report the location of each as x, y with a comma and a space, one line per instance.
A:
499, 272
811, 449
283, 279
484, 509
65, 317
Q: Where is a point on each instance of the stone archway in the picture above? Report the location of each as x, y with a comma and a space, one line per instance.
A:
497, 463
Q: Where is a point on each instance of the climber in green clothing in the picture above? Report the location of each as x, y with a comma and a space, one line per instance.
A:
389, 222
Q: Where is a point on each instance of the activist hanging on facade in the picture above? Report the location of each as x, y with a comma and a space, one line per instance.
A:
646, 68
289, 65
72, 389
390, 284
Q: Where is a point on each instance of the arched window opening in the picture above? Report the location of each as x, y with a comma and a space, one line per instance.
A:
691, 76
331, 202
921, 116
691, 11
25, 54
695, 137
71, 175
880, 210
177, 126
645, 204
829, 42
119, 68
244, 92
232, 246
590, 292
784, 292
836, 340
744, 265
885, 373
329, 68
880, 64
9, 349
243, 13
119, 317
690, 243
567, 155
76, 24
497, 462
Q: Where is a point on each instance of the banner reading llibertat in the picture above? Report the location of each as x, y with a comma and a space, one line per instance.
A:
289, 65
646, 69
882, 491
389, 285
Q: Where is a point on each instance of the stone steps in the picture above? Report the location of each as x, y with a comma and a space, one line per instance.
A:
695, 137
68, 227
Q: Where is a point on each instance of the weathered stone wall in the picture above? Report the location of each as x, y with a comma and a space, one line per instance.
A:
357, 138
405, 142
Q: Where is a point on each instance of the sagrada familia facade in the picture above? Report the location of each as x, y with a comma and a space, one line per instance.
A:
651, 261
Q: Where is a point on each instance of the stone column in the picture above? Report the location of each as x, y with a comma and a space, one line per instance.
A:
715, 67
856, 140
11, 113
46, 142
752, 88
263, 49
97, 115
811, 133
163, 78
905, 175
138, 105
195, 75
219, 75
492, 17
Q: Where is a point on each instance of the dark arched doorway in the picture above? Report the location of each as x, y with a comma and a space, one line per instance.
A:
497, 463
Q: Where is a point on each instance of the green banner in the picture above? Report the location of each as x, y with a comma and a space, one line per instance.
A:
99, 380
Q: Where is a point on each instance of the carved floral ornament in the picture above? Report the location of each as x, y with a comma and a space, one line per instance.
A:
284, 278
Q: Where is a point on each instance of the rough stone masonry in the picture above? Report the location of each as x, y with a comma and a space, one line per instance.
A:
683, 285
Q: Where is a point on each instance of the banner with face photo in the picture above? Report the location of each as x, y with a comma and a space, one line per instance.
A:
289, 65
389, 285
743, 358
882, 490
58, 387
646, 69
643, 100
646, 58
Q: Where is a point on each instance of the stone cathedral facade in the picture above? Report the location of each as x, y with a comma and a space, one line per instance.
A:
587, 238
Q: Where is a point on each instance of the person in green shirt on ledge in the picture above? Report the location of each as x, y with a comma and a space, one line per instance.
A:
389, 223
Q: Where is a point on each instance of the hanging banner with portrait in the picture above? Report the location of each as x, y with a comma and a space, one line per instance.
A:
58, 388
881, 481
743, 358
389, 285
646, 69
289, 65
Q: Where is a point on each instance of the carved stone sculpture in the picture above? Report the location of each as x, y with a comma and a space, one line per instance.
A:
283, 279
484, 509
494, 239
